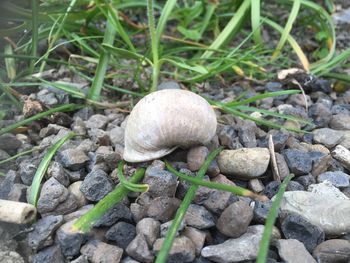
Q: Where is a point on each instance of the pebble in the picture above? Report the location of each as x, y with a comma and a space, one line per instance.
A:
18, 193
306, 180
138, 249
149, 228
196, 157
106, 156
9, 142
327, 189
333, 251
199, 217
256, 185
168, 85
27, 169
43, 230
7, 184
342, 154
261, 210
165, 227
327, 137
51, 254
160, 181
293, 251
69, 241
116, 135
320, 114
238, 249
163, 208
227, 136
57, 171
298, 162
235, 219
96, 185
182, 250
340, 122
80, 259
119, 212
338, 179
327, 212
297, 227
97, 121
99, 137
73, 159
74, 188
197, 237
247, 163
100, 252
122, 234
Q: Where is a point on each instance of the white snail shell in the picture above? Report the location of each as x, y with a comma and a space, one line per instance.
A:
164, 120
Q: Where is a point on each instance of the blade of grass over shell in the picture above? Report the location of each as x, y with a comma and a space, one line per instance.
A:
44, 164
223, 187
288, 27
35, 35
262, 96
87, 221
229, 29
97, 83
255, 20
63, 108
130, 186
180, 214
270, 221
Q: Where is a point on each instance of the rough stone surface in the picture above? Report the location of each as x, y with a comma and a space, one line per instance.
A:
100, 252
138, 249
165, 227
122, 234
199, 217
27, 169
293, 251
235, 219
120, 212
96, 185
239, 249
9, 142
196, 157
149, 228
56, 171
338, 179
97, 121
42, 234
333, 251
74, 188
117, 135
327, 137
299, 162
197, 237
183, 249
246, 163
163, 208
296, 227
51, 254
342, 155
261, 210
69, 241
340, 122
7, 184
168, 85
73, 159
327, 189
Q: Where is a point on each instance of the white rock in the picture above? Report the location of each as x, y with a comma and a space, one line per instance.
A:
342, 155
327, 189
293, 251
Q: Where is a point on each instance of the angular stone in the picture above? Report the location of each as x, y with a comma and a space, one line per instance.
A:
299, 162
7, 184
117, 135
293, 251
74, 188
197, 237
163, 208
340, 122
27, 169
73, 159
149, 228
97, 121
338, 178
120, 212
51, 254
138, 249
199, 217
9, 142
122, 234
196, 157
235, 219
57, 171
96, 185
333, 251
99, 252
327, 189
327, 137
106, 155
246, 163
342, 155
18, 193
69, 241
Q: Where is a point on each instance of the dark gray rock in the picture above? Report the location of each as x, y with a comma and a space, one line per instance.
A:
296, 227
161, 182
333, 251
163, 208
261, 210
149, 228
120, 212
27, 169
96, 185
327, 137
338, 179
7, 165
7, 184
306, 180
18, 193
73, 159
139, 250
294, 186
320, 114
51, 254
122, 234
57, 171
42, 234
97, 121
69, 241
340, 122
298, 162
235, 219
227, 137
246, 134
99, 137
271, 189
199, 217
66, 207
9, 142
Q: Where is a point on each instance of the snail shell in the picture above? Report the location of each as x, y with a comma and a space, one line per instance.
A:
165, 120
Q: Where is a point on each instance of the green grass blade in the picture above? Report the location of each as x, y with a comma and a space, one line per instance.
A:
232, 25
182, 64
10, 63
87, 221
255, 18
124, 53
270, 221
180, 214
67, 107
97, 83
338, 76
333, 63
130, 186
19, 154
35, 35
292, 16
210, 10
44, 164
72, 90
7, 91
167, 9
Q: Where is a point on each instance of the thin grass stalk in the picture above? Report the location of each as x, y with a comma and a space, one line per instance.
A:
210, 9
180, 214
270, 221
255, 18
87, 221
35, 35
44, 164
130, 186
19, 154
97, 83
154, 45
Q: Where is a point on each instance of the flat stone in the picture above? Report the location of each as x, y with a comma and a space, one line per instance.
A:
138, 249
197, 236
199, 217
27, 169
299, 162
96, 185
196, 157
9, 142
74, 188
327, 137
338, 178
149, 228
73, 159
342, 155
327, 189
328, 213
43, 230
69, 241
99, 252
182, 250
122, 234
117, 135
163, 208
235, 219
120, 212
97, 121
297, 227
256, 185
57, 171
340, 122
246, 163
293, 251
239, 249
333, 251
51, 254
